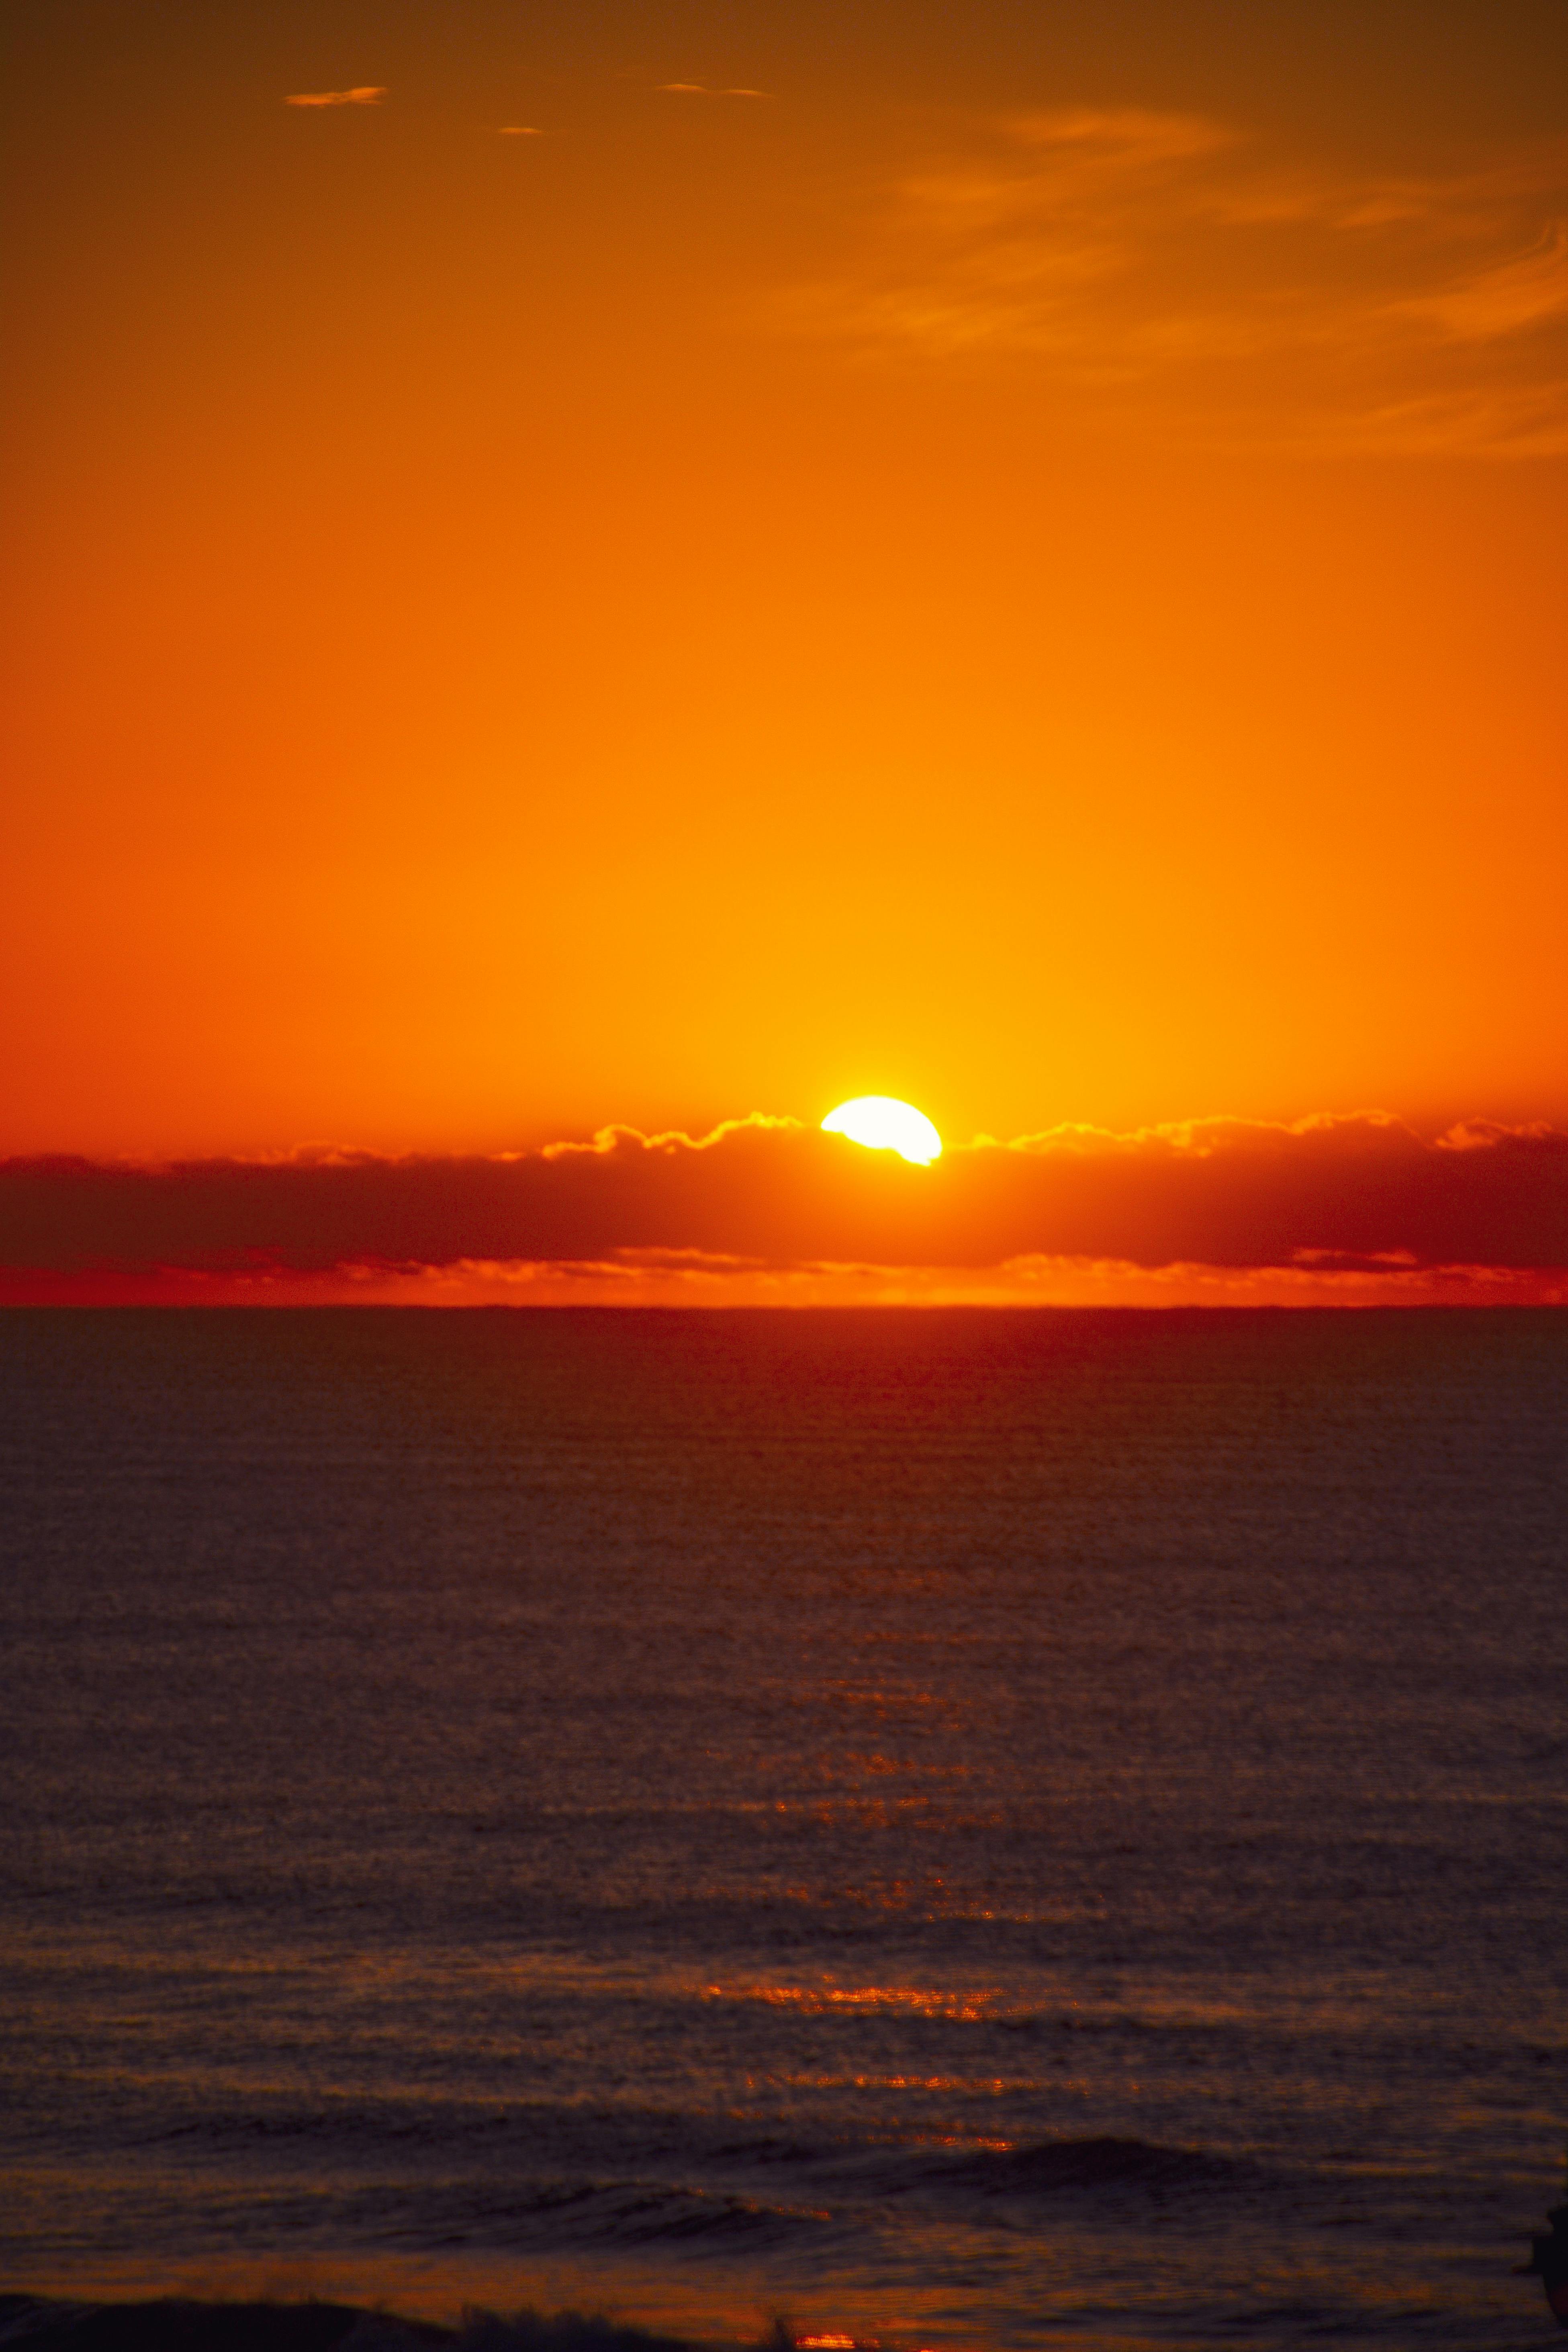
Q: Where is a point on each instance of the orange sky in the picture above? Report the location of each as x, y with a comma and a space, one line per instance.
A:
1020, 567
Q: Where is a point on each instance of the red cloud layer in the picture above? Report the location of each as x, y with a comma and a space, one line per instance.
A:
1331, 1194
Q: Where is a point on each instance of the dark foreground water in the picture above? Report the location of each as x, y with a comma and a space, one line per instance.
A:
982, 1829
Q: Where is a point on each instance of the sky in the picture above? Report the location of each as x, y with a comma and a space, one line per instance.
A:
613, 570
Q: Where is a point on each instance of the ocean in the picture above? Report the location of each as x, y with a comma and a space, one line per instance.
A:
966, 1828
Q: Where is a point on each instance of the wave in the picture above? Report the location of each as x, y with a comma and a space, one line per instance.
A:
1049, 2167
636, 2214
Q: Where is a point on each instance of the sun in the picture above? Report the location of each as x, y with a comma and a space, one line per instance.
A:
884, 1123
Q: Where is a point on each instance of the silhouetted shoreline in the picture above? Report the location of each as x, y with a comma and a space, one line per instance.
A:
181, 2324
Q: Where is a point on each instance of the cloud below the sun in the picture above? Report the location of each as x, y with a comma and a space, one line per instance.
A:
1330, 1196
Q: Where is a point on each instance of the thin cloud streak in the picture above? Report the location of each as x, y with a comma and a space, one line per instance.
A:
368, 94
1353, 1199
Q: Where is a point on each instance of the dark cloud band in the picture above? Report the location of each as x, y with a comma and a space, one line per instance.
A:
1329, 1193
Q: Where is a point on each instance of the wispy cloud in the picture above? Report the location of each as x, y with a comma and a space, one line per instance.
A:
368, 94
702, 89
1168, 262
1502, 298
519, 131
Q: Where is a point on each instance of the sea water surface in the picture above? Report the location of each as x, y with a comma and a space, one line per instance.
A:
979, 1829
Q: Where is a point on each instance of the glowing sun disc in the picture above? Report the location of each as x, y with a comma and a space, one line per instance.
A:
884, 1123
